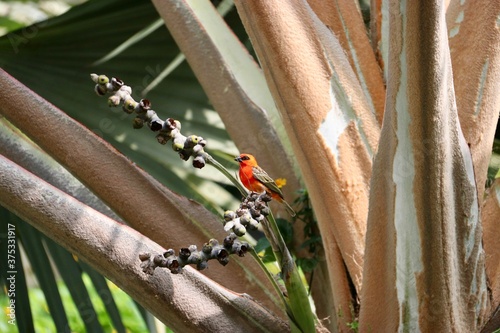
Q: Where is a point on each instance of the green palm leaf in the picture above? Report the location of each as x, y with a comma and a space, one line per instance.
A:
40, 263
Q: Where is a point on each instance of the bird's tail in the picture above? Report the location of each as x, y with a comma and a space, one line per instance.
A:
289, 208
279, 197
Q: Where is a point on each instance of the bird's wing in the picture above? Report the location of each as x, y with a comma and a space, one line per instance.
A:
262, 176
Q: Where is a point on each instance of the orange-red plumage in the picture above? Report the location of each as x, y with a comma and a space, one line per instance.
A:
255, 179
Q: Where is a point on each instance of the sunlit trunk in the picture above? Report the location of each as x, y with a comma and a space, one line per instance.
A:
424, 262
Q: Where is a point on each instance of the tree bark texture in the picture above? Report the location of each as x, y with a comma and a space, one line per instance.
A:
424, 261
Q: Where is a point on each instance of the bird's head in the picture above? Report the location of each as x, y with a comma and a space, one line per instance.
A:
246, 159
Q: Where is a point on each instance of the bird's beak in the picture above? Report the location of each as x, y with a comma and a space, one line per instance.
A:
238, 159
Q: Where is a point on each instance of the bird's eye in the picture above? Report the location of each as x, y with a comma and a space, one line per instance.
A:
245, 158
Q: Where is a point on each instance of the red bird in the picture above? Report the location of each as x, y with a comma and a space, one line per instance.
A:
255, 179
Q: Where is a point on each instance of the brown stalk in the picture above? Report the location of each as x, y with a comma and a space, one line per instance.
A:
345, 20
490, 217
474, 38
